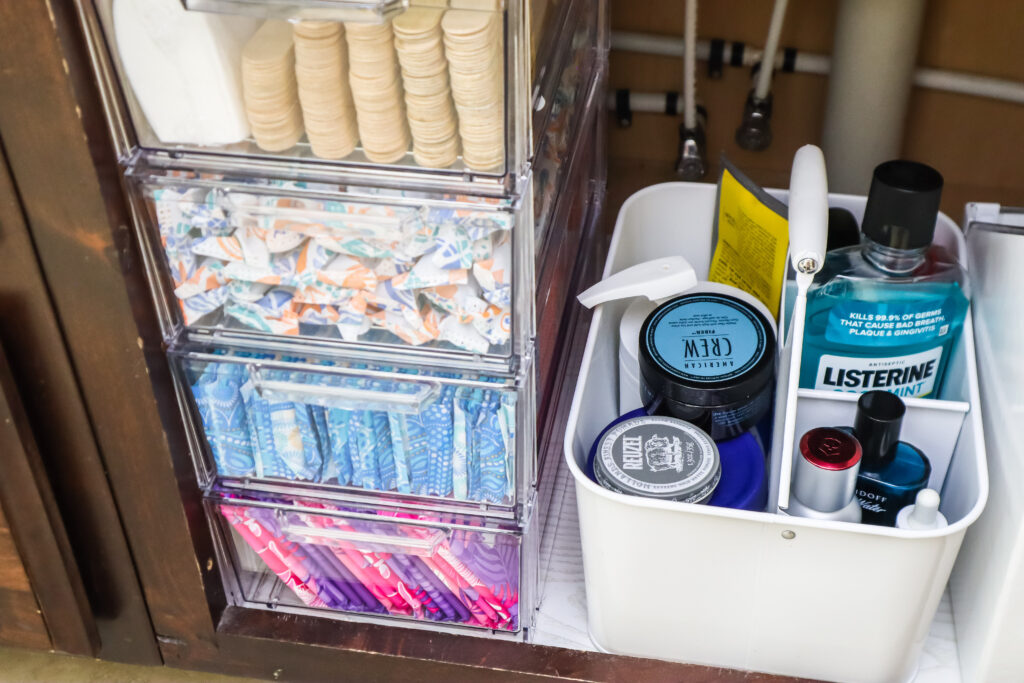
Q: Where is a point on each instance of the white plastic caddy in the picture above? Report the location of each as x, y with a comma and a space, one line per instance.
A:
754, 590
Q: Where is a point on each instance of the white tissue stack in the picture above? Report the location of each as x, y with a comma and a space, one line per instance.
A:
185, 69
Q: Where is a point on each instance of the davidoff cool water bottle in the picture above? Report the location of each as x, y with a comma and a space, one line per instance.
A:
885, 314
891, 471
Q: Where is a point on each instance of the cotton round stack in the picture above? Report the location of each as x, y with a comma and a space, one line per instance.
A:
269, 87
473, 46
418, 41
377, 91
321, 68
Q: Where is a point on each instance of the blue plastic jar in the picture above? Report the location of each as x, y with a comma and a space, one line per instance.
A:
710, 359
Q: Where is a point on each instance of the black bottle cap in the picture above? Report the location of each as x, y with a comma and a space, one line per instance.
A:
903, 204
877, 427
843, 230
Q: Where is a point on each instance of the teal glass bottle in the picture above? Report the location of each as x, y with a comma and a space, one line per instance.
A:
891, 471
886, 314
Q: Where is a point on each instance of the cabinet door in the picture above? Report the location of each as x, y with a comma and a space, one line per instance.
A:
42, 600
38, 347
21, 620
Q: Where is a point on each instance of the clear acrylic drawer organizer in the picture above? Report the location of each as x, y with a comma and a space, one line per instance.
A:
416, 570
341, 430
530, 100
411, 275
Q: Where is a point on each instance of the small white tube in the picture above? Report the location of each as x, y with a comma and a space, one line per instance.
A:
690, 67
771, 45
809, 63
644, 102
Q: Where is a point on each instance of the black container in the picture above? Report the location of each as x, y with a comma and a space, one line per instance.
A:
710, 360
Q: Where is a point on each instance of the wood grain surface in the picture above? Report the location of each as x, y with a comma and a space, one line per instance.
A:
21, 620
975, 142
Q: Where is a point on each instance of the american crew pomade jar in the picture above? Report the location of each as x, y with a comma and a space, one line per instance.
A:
710, 359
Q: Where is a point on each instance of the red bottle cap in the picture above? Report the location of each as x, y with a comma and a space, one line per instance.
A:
830, 449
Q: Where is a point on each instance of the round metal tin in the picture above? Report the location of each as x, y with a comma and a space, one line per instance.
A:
658, 457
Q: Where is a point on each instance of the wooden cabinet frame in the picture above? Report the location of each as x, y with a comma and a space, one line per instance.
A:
40, 557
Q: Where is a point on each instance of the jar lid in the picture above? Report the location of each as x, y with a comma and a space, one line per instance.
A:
707, 349
658, 457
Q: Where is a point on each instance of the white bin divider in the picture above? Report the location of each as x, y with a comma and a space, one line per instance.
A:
752, 590
931, 425
955, 389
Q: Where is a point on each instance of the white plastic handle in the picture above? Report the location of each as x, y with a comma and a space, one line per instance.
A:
377, 227
414, 545
808, 235
808, 210
657, 279
349, 398
321, 215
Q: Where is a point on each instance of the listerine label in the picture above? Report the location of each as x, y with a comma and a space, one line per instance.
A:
869, 323
909, 376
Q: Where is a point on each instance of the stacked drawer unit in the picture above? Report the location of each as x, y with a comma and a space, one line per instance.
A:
353, 215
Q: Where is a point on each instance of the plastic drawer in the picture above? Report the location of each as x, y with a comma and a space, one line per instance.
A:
189, 104
374, 270
410, 569
323, 10
567, 252
564, 127
342, 430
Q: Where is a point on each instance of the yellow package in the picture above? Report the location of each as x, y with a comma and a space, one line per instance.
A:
752, 239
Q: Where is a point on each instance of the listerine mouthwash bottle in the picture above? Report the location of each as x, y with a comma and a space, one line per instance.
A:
886, 313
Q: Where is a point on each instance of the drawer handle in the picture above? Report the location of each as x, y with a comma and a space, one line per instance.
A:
380, 226
414, 545
347, 398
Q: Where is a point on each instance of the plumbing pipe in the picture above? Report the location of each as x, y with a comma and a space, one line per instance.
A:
648, 102
755, 130
875, 50
807, 62
771, 47
690, 67
969, 84
670, 102
692, 138
666, 46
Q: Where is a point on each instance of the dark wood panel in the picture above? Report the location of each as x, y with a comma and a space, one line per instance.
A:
37, 529
21, 621
39, 363
808, 22
50, 131
958, 36
376, 653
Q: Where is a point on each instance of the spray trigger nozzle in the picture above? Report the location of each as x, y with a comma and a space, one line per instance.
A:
658, 279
